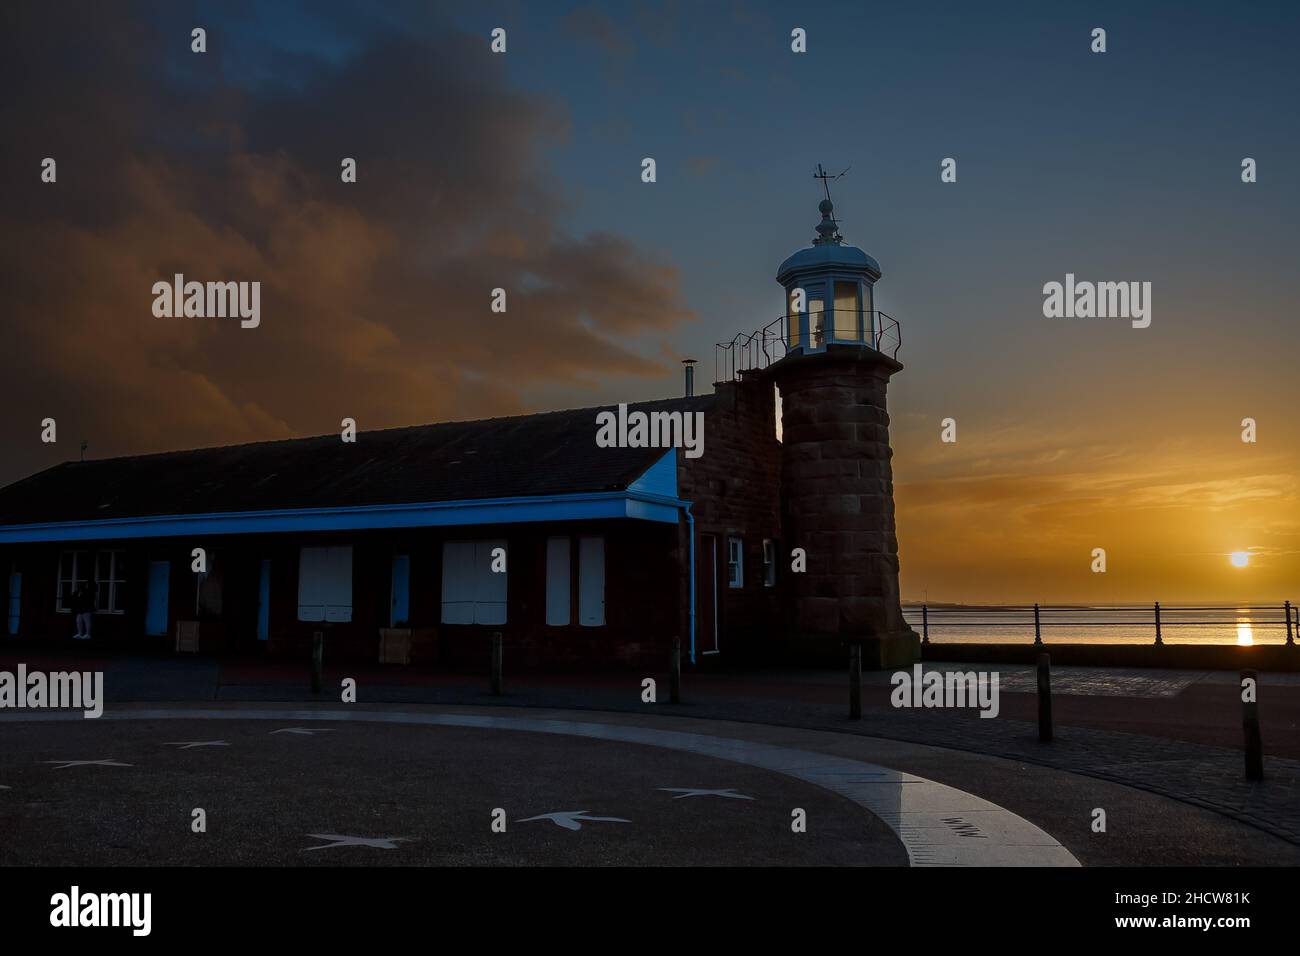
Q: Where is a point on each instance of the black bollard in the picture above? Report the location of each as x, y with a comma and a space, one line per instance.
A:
1250, 726
855, 682
317, 659
1044, 698
675, 672
497, 654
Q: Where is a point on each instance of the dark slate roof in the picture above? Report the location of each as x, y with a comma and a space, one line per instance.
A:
546, 454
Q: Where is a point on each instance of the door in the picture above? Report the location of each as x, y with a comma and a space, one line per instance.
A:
706, 594
155, 617
399, 604
15, 600
264, 600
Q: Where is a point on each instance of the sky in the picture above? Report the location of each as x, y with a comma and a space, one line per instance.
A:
522, 171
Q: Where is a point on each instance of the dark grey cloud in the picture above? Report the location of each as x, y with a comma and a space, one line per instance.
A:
375, 296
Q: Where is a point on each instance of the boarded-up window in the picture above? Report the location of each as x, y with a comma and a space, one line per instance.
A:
591, 582
558, 611
472, 593
325, 584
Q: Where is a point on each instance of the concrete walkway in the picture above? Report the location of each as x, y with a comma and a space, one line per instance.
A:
937, 824
1173, 733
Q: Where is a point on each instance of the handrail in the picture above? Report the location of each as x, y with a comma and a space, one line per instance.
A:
1039, 616
812, 332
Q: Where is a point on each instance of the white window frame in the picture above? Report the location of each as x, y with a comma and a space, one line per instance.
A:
116, 572
735, 562
59, 606
769, 563
478, 594
325, 583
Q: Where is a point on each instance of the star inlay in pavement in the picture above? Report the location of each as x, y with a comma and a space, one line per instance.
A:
304, 731
191, 744
337, 839
681, 792
64, 764
573, 819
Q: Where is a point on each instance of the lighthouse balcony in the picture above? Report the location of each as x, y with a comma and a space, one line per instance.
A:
806, 333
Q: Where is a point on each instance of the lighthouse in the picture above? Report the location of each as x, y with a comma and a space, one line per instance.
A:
832, 355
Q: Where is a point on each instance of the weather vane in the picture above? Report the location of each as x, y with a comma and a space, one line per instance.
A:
827, 178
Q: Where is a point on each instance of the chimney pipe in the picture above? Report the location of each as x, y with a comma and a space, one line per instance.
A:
690, 376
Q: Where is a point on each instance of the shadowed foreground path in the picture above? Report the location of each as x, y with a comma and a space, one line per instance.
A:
367, 772
1173, 733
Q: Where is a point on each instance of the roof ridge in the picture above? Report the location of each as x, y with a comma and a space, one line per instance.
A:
372, 431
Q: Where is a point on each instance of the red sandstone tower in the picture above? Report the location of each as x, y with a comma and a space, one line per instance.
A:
836, 356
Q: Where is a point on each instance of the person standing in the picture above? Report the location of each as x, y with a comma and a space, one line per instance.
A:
83, 606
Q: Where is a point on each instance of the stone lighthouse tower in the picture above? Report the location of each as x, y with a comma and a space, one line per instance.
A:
837, 354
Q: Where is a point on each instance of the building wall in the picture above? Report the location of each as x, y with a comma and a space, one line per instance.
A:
641, 566
736, 489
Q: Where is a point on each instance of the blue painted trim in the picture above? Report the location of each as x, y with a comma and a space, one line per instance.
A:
660, 478
690, 520
264, 600
15, 601
641, 505
157, 601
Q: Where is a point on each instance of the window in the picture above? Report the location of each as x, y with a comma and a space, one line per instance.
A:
74, 570
325, 584
769, 563
110, 574
591, 582
558, 611
472, 593
735, 563
846, 311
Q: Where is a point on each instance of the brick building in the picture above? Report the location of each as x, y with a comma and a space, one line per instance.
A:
419, 542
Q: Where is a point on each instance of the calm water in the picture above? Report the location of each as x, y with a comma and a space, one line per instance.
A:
1105, 625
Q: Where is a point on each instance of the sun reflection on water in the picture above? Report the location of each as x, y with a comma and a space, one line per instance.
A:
1244, 633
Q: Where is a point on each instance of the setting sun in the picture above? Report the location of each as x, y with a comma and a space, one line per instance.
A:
1240, 559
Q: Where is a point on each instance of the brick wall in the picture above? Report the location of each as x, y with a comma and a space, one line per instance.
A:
735, 487
839, 498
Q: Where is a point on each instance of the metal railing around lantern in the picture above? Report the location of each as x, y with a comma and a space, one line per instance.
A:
807, 332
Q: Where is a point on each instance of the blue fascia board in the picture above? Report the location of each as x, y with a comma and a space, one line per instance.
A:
660, 478
640, 505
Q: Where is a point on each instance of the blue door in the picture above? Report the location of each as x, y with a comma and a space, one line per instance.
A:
155, 618
264, 601
15, 600
399, 606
